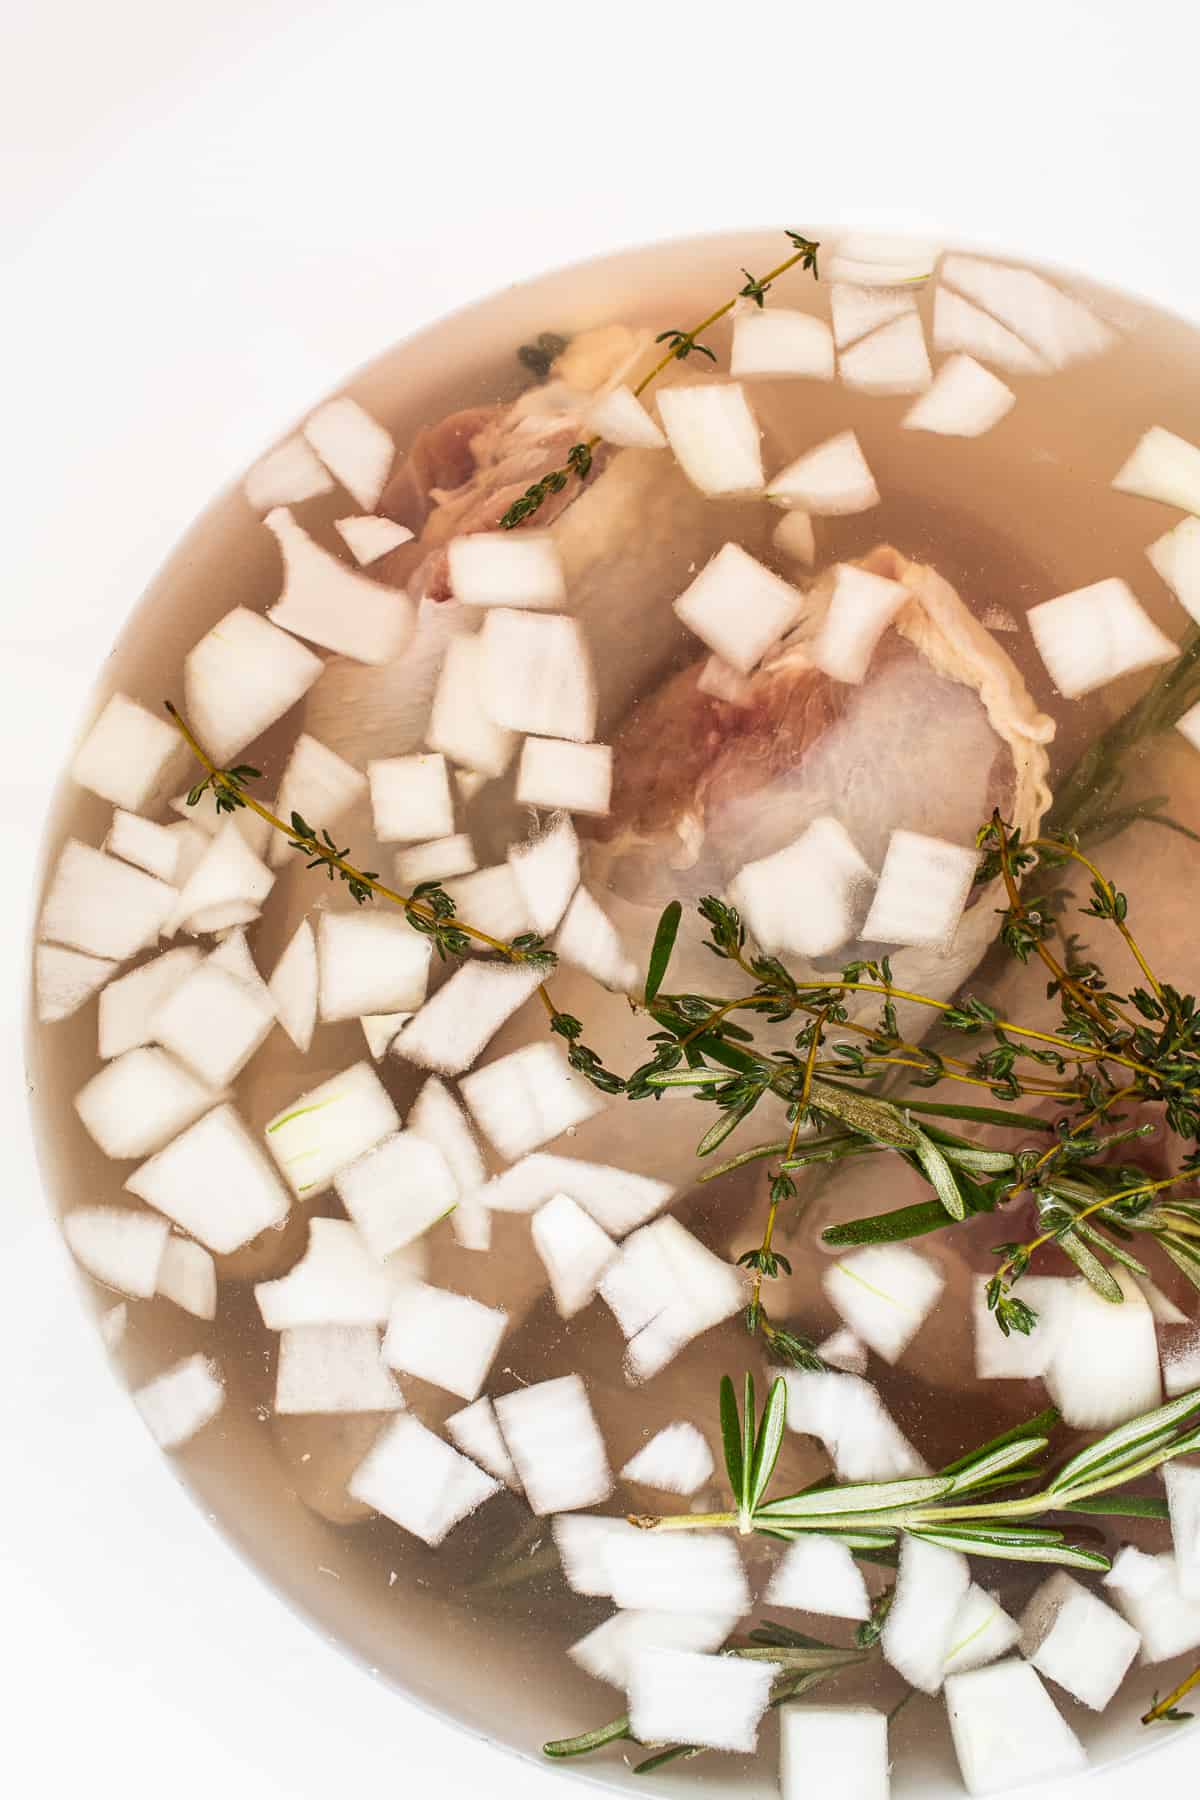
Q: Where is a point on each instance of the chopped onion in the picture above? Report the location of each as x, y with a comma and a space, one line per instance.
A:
547, 872
666, 1289
982, 1632
738, 608
884, 1293
606, 1652
444, 1338
293, 986
1163, 467
1094, 634
213, 1181
858, 310
575, 1251
419, 1482
147, 846
620, 418
336, 1282
1104, 1367
861, 607
588, 939
370, 963
507, 568
551, 1434
477, 1434
957, 325
1163, 1309
830, 480
128, 1006
333, 1369
965, 401
368, 538
931, 1585
1021, 1356
138, 1101
127, 754
436, 1116
354, 446
794, 535
555, 773
677, 1460
821, 1576
285, 476
410, 798
823, 866
1070, 1636
334, 606
204, 821
849, 1418
213, 1022
227, 915
103, 907
923, 890
1148, 1591
892, 360
380, 1029
459, 725
240, 678
492, 901
714, 434
228, 874
1007, 1730
843, 1351
397, 1191
617, 1199
121, 1248
319, 785
1061, 329
723, 683
188, 1276
451, 1029
777, 340
181, 1401
581, 1540
435, 861
874, 259
66, 979
324, 1131
1176, 556
688, 1697
524, 1099
1181, 1365
839, 1752
1183, 1498
537, 674
666, 1572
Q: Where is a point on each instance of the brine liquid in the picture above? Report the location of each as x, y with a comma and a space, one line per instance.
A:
480, 1627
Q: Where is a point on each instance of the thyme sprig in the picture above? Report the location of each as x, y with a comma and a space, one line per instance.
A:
681, 344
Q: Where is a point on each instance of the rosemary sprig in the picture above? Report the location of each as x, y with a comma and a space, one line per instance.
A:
681, 344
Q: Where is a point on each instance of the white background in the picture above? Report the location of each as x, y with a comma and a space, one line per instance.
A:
211, 210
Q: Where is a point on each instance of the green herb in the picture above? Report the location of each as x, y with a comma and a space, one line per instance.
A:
1169, 1711
539, 356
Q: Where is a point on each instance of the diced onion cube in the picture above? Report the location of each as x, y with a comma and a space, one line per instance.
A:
152, 847
293, 985
214, 1182
1006, 1729
524, 1099
677, 1460
687, 1697
103, 907
555, 1444
982, 1632
1149, 1593
824, 867
119, 1247
554, 773
575, 1251
861, 607
181, 1401
1183, 1497
960, 326
410, 798
850, 1419
138, 1101
884, 1292
127, 754
892, 360
491, 901
459, 724
447, 1339
819, 1575
1094, 634
923, 890
228, 876
336, 1282
436, 861
128, 1006
354, 446
285, 476
587, 938
1071, 1637
214, 1023
620, 418
1061, 329
931, 1585
581, 1540
794, 535
858, 310
397, 1191
336, 607
188, 1276
419, 1482
537, 674
370, 963
965, 401
368, 538
318, 784
617, 1199
715, 437
547, 872
776, 340
507, 568
1104, 1366
838, 1752
453, 1027
738, 608
830, 480
1176, 556
66, 979
243, 675
324, 1130
333, 1369
607, 1652
477, 1435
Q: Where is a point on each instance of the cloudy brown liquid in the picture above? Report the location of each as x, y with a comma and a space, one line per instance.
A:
479, 1628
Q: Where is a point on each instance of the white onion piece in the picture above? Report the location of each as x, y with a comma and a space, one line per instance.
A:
147, 846
459, 725
875, 259
370, 963
1181, 1365
821, 1576
677, 1460
723, 683
1006, 1729
205, 822
606, 1653
884, 1293
65, 980
181, 1402
1061, 329
551, 1434
686, 1288
965, 401
436, 1116
127, 1006
537, 674
138, 1101
575, 1251
435, 861
958, 325
396, 1192
547, 872
460, 1020
1095, 634
738, 608
293, 986
469, 781
777, 340
214, 1182
588, 939
617, 1199
354, 446
318, 784
379, 1029
113, 1326
325, 1129
892, 360
620, 418
843, 1351
214, 1023
686, 1696
1176, 556
233, 954
507, 568
227, 915
228, 874
794, 535
285, 476
839, 1752
1163, 1309
1020, 1356
126, 754
1183, 1498
333, 1369
243, 675
931, 1585
188, 1276
1104, 1368
830, 480
336, 1282
368, 538
331, 605
581, 1540
410, 798
1070, 1636
119, 1247
667, 1572
923, 890
714, 435
858, 310
849, 1418
1147, 1589
444, 1338
861, 607
825, 867
101, 906
982, 1632
1162, 467
524, 1099
477, 1434
491, 901
554, 773
419, 1482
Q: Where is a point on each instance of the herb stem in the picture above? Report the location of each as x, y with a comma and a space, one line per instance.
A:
1106, 886
1018, 910
1162, 1709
